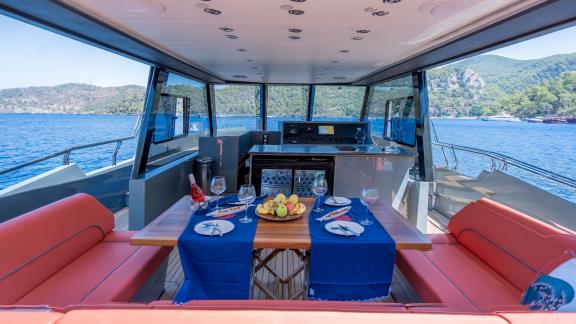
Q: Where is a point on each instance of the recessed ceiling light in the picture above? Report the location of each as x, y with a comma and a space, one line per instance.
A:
249, 60
380, 13
226, 29
363, 31
370, 9
212, 11
239, 76
143, 7
298, 0
356, 38
339, 78
391, 1
335, 62
241, 49
286, 7
294, 37
295, 30
344, 51
296, 12
232, 36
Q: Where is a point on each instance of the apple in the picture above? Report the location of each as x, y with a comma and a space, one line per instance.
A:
290, 207
281, 211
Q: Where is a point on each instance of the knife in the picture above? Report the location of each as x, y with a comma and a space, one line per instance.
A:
347, 229
334, 214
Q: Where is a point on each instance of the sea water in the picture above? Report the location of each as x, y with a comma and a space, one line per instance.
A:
24, 137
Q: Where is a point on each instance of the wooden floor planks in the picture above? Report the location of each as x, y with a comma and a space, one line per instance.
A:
284, 263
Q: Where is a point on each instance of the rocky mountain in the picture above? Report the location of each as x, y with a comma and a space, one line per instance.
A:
483, 84
73, 98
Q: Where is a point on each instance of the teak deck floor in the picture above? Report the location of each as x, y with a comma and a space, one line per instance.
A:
283, 263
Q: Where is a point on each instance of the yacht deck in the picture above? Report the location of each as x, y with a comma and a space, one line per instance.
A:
283, 263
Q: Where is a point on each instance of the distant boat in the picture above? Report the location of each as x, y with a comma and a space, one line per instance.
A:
534, 120
554, 120
571, 119
501, 117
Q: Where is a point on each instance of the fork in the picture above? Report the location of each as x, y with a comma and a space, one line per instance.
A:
334, 199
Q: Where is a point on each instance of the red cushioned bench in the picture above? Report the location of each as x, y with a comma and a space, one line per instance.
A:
249, 316
68, 253
490, 256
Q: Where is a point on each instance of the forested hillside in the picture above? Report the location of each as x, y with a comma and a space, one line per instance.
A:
485, 84
73, 98
482, 85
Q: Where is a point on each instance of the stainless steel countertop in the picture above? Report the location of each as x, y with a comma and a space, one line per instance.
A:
295, 149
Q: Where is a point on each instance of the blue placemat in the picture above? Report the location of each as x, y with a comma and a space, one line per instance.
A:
217, 267
349, 267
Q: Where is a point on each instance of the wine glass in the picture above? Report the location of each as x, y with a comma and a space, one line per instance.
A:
218, 186
369, 197
246, 195
319, 188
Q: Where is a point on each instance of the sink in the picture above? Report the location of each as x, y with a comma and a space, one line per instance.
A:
348, 148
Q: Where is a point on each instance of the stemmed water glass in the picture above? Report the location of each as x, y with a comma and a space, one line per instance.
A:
369, 197
319, 188
246, 195
218, 186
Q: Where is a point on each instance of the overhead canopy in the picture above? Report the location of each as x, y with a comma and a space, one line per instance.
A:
298, 41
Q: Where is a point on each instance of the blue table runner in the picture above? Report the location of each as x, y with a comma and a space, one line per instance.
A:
217, 268
346, 268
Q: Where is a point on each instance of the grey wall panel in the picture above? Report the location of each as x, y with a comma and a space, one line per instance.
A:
158, 190
109, 188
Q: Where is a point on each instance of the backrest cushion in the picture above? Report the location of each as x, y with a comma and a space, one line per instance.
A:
36, 245
515, 245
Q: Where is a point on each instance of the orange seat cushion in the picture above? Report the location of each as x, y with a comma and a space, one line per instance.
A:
451, 274
515, 245
28, 317
109, 272
284, 305
490, 256
258, 316
36, 245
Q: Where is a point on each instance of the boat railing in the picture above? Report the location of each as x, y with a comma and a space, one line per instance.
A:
500, 162
66, 152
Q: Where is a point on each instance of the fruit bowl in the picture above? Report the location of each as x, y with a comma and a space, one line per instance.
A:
280, 208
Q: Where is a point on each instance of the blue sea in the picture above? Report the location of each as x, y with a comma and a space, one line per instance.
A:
28, 136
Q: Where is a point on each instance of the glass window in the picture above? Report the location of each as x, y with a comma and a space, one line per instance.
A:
57, 93
180, 118
237, 107
393, 101
286, 103
339, 103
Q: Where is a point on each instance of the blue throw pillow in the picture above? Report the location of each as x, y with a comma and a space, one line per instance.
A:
554, 291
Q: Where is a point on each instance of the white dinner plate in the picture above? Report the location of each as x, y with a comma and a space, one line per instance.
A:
217, 227
340, 201
337, 227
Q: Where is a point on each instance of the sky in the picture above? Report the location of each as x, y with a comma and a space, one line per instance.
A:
36, 57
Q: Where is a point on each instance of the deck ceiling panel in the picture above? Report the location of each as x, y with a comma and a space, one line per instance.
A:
340, 41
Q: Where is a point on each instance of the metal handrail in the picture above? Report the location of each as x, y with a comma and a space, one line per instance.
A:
66, 152
501, 161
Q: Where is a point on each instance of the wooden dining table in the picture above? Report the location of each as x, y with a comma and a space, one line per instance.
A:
166, 228
278, 236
